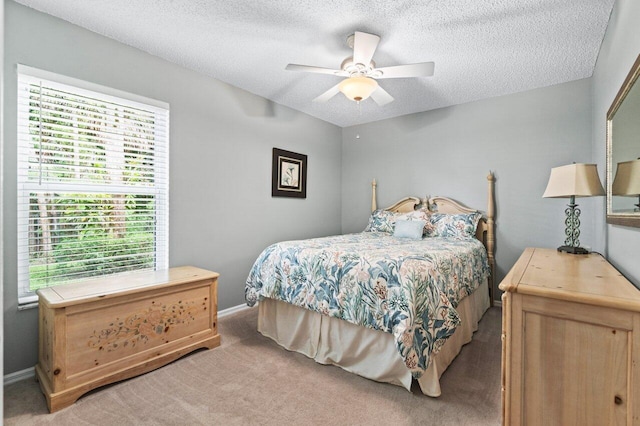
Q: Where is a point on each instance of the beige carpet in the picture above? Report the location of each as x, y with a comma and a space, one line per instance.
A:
251, 380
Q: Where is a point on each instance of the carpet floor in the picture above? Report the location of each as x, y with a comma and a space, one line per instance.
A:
249, 379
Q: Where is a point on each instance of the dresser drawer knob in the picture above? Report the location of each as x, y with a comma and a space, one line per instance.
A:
617, 400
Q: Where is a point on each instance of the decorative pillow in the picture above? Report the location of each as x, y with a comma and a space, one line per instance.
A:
452, 225
414, 215
381, 221
409, 229
384, 221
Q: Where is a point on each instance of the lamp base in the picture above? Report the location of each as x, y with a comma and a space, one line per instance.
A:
573, 250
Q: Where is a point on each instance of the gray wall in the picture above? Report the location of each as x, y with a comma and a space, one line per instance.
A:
619, 50
1, 202
221, 210
450, 151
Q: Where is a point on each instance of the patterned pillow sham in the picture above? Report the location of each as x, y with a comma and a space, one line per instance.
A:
385, 221
452, 225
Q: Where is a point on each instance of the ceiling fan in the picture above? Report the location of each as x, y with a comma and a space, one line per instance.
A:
361, 72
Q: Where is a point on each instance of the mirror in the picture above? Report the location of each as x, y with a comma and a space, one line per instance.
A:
623, 153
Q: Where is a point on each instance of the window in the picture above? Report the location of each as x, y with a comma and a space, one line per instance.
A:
92, 181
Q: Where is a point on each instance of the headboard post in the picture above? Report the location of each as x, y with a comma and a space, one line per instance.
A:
374, 204
491, 237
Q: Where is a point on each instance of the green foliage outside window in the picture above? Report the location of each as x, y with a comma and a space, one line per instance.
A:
95, 243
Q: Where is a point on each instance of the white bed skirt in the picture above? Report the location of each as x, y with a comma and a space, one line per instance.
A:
368, 353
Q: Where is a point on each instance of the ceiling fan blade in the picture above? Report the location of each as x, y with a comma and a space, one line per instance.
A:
364, 46
423, 69
381, 97
318, 70
328, 94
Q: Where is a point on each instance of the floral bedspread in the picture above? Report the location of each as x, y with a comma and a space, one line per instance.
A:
409, 288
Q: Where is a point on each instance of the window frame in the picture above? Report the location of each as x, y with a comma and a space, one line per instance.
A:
159, 188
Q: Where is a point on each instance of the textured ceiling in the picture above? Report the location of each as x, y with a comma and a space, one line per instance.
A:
481, 49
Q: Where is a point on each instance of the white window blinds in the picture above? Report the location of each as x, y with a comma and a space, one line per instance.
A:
92, 181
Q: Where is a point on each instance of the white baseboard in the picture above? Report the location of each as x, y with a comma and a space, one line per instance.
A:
27, 373
233, 310
497, 303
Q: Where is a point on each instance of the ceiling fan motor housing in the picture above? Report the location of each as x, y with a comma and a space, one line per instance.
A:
354, 69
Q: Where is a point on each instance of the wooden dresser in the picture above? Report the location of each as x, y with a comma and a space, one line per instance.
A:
108, 329
571, 342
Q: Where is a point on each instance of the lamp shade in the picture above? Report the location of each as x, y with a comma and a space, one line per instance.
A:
579, 180
358, 88
627, 180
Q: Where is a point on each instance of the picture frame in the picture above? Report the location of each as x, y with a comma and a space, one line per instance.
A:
289, 174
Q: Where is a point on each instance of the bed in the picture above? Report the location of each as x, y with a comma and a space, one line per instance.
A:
387, 308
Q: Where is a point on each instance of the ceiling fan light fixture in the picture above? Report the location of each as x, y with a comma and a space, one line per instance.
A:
358, 88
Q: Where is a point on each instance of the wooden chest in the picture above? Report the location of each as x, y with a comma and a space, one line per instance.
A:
103, 330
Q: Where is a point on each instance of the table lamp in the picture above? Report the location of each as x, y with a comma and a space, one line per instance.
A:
571, 181
627, 180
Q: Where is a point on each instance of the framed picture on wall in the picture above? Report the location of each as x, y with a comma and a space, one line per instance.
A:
289, 174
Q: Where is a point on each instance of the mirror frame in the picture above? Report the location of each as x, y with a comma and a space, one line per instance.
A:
619, 218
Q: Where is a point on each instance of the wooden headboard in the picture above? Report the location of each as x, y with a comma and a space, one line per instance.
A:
407, 204
485, 232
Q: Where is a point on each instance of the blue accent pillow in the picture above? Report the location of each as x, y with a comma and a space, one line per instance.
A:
409, 229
